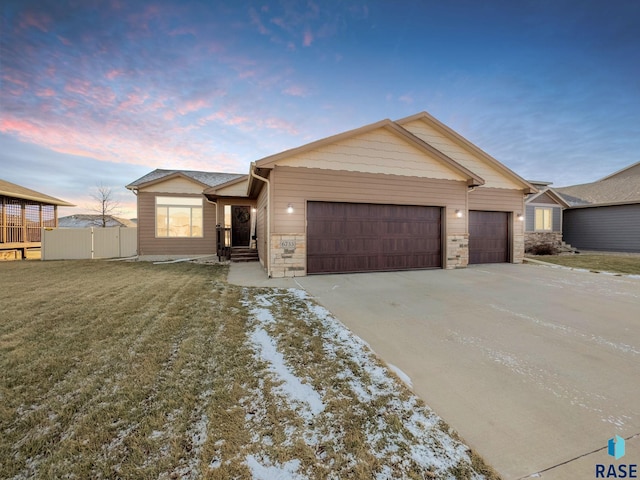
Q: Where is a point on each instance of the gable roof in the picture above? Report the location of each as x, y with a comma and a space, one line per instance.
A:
619, 188
613, 191
213, 191
472, 178
631, 170
9, 189
460, 140
549, 192
206, 179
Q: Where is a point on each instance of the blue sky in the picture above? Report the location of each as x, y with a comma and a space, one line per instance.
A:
101, 92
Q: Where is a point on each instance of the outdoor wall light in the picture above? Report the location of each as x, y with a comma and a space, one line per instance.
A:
520, 217
289, 208
459, 213
254, 210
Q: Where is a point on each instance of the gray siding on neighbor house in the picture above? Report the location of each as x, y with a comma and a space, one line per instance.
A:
530, 217
610, 228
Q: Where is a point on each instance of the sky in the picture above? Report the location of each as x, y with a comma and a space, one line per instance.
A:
102, 92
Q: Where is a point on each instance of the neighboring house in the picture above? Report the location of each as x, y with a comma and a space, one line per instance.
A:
543, 218
604, 215
93, 220
401, 195
174, 218
23, 213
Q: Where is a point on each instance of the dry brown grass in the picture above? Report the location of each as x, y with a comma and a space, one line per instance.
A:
610, 262
135, 370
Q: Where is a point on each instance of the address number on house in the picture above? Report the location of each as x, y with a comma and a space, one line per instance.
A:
287, 244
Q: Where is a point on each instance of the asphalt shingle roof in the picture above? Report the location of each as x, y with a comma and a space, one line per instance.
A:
210, 179
9, 189
617, 189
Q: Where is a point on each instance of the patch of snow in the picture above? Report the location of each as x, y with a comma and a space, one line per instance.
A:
287, 471
429, 446
292, 388
401, 375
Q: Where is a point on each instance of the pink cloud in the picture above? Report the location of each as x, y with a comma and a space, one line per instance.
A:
237, 120
308, 38
114, 73
279, 22
38, 20
133, 100
296, 91
192, 106
182, 31
47, 92
406, 98
247, 74
64, 41
255, 20
274, 123
15, 81
95, 93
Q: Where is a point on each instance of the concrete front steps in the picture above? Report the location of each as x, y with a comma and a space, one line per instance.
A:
244, 254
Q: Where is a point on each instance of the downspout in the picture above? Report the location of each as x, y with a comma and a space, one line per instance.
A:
216, 204
268, 252
135, 192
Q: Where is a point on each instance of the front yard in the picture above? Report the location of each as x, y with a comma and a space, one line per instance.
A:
135, 370
605, 262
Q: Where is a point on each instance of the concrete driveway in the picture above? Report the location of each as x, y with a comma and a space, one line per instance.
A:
535, 367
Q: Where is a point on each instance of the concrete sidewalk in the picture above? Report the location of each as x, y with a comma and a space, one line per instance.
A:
535, 367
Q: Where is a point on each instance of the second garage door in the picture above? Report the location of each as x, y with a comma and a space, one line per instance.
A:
357, 237
488, 237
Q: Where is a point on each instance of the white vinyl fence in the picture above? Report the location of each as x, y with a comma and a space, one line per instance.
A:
93, 242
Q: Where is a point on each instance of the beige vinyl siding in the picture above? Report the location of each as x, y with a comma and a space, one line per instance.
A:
379, 151
493, 178
497, 200
148, 244
236, 190
174, 185
296, 186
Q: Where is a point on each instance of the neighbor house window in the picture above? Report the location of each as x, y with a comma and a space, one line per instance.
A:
544, 218
178, 217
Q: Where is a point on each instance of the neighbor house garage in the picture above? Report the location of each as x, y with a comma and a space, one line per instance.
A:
409, 194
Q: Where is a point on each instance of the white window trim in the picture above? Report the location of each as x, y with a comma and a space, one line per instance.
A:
178, 202
535, 217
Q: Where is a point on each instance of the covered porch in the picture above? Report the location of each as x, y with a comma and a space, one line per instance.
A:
23, 215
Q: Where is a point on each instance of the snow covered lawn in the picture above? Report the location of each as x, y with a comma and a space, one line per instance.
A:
135, 370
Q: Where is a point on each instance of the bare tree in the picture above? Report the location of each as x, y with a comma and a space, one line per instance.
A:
105, 204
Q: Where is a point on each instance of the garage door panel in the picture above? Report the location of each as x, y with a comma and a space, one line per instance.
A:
488, 237
352, 237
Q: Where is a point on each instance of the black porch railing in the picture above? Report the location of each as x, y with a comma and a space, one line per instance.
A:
223, 242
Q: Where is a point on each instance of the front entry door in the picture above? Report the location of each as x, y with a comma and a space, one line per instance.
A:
240, 226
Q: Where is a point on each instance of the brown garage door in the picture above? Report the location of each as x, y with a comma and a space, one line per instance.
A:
488, 237
360, 237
